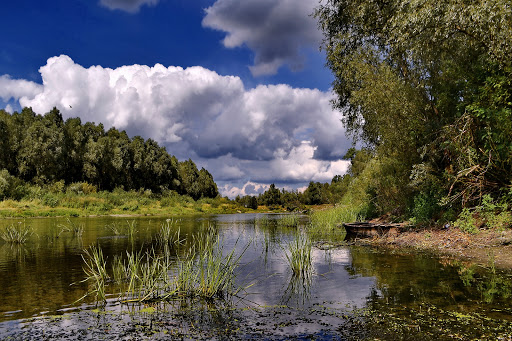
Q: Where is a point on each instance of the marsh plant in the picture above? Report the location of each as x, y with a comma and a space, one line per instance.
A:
129, 229
54, 231
330, 219
116, 228
265, 221
169, 233
95, 271
289, 220
16, 233
204, 272
76, 229
298, 255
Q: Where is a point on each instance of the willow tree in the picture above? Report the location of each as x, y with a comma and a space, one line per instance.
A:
427, 84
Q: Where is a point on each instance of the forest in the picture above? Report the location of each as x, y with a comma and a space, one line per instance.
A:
46, 151
425, 87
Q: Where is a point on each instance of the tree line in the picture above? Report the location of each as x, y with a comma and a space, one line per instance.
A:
426, 88
315, 194
44, 149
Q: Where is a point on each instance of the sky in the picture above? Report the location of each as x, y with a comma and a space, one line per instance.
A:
238, 86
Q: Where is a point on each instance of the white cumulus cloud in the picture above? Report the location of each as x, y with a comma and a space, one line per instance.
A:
240, 135
276, 31
18, 88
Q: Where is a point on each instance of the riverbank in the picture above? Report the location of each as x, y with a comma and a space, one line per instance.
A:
482, 247
121, 203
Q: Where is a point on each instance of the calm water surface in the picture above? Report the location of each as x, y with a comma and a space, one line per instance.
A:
354, 292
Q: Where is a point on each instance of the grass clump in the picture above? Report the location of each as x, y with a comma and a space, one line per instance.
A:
329, 219
77, 229
95, 271
298, 255
289, 220
16, 233
205, 271
169, 233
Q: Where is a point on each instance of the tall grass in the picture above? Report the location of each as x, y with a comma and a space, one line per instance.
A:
95, 272
16, 233
150, 276
216, 276
77, 229
298, 255
289, 220
330, 219
169, 233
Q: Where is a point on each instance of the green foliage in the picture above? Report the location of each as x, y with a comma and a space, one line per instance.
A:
50, 153
466, 221
426, 207
426, 85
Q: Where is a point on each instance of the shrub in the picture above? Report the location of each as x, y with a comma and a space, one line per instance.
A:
466, 221
425, 207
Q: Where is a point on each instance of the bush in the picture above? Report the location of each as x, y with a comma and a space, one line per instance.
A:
50, 199
425, 207
12, 187
466, 221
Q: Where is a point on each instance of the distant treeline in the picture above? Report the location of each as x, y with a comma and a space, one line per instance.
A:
315, 194
43, 150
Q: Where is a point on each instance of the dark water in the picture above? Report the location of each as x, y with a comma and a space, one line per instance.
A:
354, 293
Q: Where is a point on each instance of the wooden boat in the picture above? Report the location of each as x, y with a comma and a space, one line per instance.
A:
368, 230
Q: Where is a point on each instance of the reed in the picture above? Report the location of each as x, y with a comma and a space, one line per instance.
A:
216, 272
77, 229
169, 233
329, 220
298, 255
131, 228
150, 276
264, 221
95, 271
289, 220
54, 232
16, 233
115, 228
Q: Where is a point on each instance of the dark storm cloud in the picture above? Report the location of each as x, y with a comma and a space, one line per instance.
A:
275, 30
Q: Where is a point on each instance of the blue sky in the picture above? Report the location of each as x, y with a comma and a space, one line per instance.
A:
238, 86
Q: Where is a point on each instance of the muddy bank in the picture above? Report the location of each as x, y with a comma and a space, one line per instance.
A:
481, 247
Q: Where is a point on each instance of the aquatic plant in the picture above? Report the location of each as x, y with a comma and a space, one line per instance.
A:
264, 221
216, 276
16, 233
54, 231
115, 228
95, 271
298, 255
328, 220
169, 233
289, 220
131, 228
150, 276
77, 229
